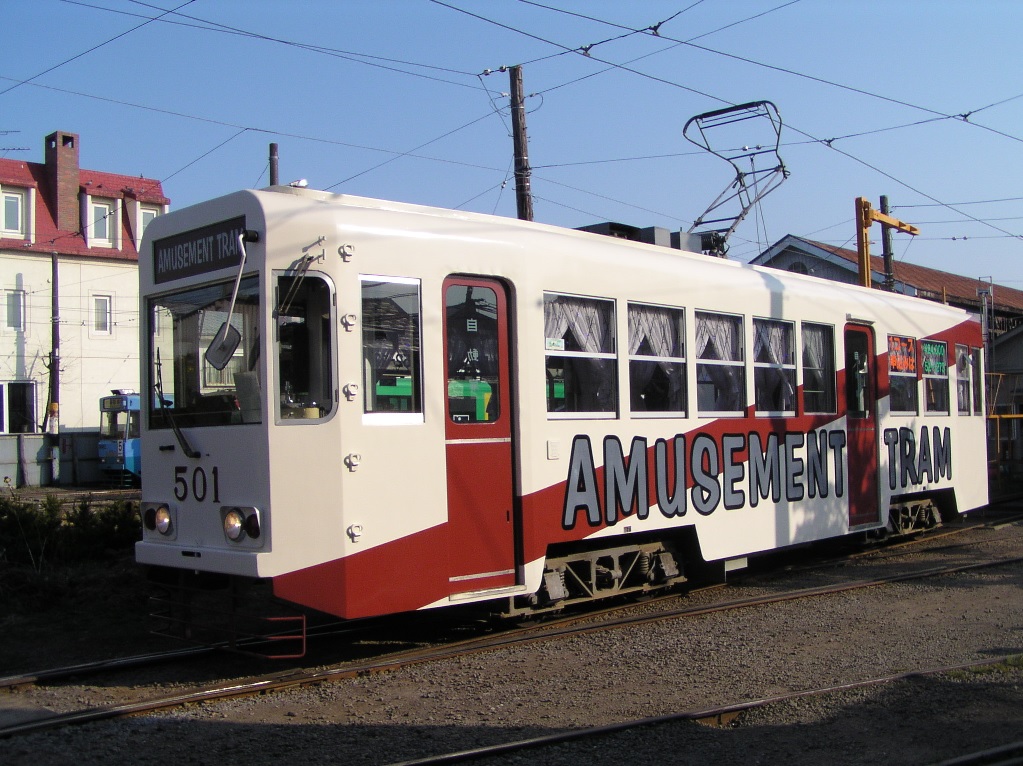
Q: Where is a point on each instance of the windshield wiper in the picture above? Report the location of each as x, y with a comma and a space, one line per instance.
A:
178, 433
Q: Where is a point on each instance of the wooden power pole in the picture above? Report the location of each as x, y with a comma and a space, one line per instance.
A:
523, 195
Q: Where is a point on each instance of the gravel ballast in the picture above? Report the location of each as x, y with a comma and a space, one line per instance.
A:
644, 671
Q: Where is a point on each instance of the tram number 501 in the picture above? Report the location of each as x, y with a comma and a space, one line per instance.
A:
203, 486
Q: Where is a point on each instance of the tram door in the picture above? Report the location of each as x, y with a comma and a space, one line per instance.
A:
478, 435
861, 425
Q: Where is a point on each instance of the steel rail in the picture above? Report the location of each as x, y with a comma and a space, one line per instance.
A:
49, 675
399, 660
97, 666
717, 716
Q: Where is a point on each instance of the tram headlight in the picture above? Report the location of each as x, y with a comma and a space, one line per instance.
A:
158, 517
234, 524
163, 520
240, 523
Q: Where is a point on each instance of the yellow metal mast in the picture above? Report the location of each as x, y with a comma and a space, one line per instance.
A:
865, 216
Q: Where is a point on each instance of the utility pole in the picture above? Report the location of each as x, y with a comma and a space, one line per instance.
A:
523, 195
865, 216
51, 422
273, 165
886, 248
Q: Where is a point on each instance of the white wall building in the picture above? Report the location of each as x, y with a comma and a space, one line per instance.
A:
91, 223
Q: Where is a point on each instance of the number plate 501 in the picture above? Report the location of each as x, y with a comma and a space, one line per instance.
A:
201, 484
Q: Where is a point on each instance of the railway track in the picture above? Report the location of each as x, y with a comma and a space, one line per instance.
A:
567, 627
353, 628
723, 715
357, 630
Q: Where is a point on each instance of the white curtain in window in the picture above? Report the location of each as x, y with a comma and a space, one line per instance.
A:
814, 346
654, 324
661, 328
718, 337
590, 322
772, 342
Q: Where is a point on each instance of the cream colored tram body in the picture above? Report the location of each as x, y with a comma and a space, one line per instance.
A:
384, 407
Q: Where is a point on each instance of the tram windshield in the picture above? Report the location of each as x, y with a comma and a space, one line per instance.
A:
187, 387
119, 424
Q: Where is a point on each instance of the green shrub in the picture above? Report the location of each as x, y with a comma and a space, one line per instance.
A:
54, 534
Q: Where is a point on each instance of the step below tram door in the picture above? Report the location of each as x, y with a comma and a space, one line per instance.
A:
861, 425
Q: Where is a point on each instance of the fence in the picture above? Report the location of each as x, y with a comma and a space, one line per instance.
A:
29, 460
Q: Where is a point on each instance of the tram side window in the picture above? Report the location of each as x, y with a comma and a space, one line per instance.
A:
935, 358
774, 366
391, 363
819, 369
978, 382
580, 359
902, 371
304, 324
657, 360
720, 370
963, 392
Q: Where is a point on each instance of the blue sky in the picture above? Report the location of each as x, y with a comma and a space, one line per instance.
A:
918, 100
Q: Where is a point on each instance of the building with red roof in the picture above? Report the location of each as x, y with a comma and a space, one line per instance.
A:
84, 227
1002, 306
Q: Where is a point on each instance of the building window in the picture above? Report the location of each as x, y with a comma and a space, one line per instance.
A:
720, 371
147, 215
902, 372
657, 360
935, 356
819, 369
103, 221
774, 366
15, 305
391, 342
580, 343
13, 213
18, 407
798, 267
102, 315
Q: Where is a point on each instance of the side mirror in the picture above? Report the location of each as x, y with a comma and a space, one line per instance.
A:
223, 346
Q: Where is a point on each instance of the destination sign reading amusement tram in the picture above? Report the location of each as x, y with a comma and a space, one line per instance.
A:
198, 251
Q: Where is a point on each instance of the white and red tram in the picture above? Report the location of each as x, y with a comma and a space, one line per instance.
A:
384, 407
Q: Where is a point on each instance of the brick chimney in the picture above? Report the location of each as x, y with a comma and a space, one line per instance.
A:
62, 170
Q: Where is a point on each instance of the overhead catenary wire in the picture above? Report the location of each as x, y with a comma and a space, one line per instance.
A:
361, 58
265, 130
830, 145
93, 48
812, 140
964, 116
